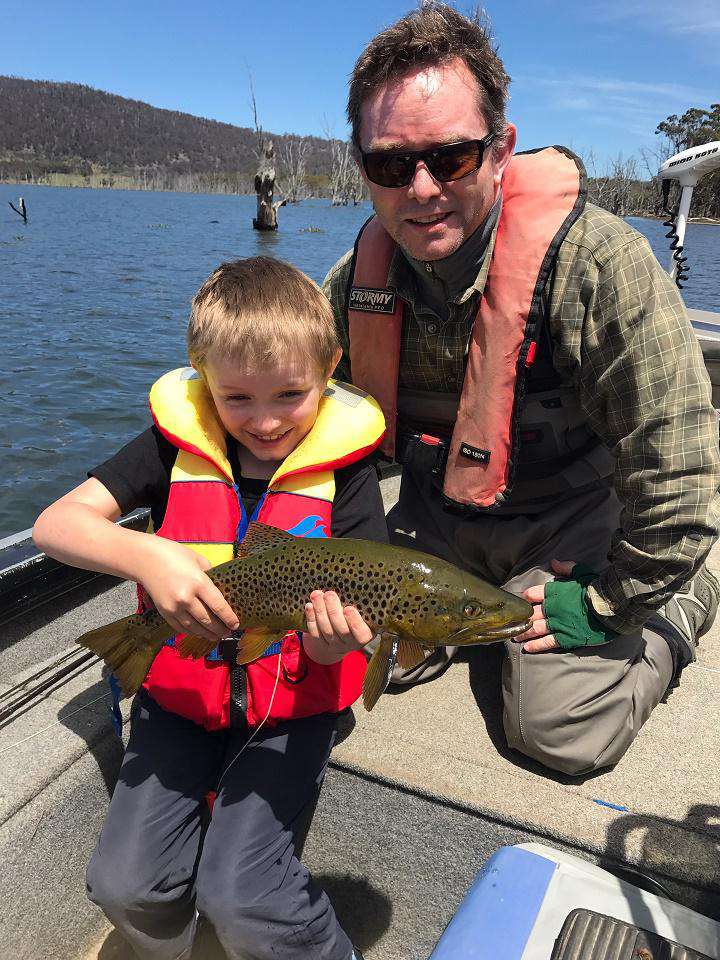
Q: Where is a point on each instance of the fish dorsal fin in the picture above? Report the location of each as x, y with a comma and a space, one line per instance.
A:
260, 538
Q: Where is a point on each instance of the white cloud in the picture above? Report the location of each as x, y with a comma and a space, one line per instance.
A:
694, 18
633, 108
619, 89
574, 103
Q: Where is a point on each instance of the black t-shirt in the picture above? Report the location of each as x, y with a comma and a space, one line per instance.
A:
138, 475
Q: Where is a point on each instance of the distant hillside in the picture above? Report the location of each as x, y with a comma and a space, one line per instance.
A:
66, 132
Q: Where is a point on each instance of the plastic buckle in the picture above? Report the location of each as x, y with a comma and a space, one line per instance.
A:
408, 442
441, 454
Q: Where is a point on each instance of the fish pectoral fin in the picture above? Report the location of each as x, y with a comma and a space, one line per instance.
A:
254, 642
379, 670
260, 538
410, 654
195, 647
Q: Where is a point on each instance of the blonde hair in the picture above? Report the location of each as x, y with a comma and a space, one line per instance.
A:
260, 312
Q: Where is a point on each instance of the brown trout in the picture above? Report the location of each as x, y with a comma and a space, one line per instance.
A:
415, 601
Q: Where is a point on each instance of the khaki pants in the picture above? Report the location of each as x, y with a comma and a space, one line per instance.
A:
575, 711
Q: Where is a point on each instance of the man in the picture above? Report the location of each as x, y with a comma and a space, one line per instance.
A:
543, 389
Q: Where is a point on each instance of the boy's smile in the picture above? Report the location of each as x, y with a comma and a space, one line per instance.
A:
268, 411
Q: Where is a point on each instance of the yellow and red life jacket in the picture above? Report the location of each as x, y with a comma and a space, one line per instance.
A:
543, 194
205, 512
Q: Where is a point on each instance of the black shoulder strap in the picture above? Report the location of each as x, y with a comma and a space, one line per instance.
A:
542, 374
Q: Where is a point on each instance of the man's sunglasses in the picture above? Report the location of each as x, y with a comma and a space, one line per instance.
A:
453, 161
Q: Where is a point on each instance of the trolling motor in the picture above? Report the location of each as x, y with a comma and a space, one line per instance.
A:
686, 167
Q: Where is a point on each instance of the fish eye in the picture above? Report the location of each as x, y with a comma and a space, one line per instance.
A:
473, 609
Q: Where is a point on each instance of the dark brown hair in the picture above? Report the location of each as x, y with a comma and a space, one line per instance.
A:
261, 312
432, 35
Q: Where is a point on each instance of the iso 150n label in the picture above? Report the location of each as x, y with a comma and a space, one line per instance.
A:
475, 453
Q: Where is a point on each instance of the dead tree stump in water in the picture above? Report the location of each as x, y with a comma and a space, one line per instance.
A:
22, 211
264, 188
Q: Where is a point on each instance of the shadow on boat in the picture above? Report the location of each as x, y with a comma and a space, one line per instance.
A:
103, 744
484, 664
658, 840
31, 618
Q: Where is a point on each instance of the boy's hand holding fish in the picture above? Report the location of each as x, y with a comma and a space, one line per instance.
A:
332, 630
82, 529
191, 603
174, 577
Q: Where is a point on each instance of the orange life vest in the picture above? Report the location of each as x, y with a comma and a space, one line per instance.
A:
543, 194
205, 512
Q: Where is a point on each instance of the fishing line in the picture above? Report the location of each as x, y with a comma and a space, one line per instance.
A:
258, 728
23, 684
55, 723
67, 673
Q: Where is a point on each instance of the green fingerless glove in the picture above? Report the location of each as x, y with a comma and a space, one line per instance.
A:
568, 614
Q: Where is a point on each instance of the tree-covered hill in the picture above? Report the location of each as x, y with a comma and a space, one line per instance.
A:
66, 133
66, 128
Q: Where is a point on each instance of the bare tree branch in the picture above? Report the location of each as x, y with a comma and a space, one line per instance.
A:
293, 156
259, 135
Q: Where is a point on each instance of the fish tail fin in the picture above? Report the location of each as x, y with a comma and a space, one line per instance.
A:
129, 646
379, 670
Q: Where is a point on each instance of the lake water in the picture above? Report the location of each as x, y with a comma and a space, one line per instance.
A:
94, 298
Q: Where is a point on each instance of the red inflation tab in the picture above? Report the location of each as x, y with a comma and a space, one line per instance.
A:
530, 358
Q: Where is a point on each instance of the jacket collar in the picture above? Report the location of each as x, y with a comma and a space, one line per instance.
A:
454, 279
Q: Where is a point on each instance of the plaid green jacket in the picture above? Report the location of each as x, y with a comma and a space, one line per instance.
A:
622, 338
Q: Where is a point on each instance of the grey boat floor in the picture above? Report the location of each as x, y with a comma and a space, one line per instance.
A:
420, 793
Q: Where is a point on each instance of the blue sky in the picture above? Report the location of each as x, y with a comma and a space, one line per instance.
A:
594, 76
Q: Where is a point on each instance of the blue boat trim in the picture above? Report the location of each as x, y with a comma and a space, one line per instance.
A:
704, 325
499, 911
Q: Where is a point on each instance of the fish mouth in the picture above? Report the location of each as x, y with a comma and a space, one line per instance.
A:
479, 634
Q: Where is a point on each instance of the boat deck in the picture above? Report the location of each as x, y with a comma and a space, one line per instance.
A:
418, 795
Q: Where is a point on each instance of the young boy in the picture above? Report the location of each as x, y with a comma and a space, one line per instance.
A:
253, 432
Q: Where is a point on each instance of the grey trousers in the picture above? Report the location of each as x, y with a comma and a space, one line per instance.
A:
158, 860
574, 711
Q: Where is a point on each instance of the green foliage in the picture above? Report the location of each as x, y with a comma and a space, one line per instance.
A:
692, 129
